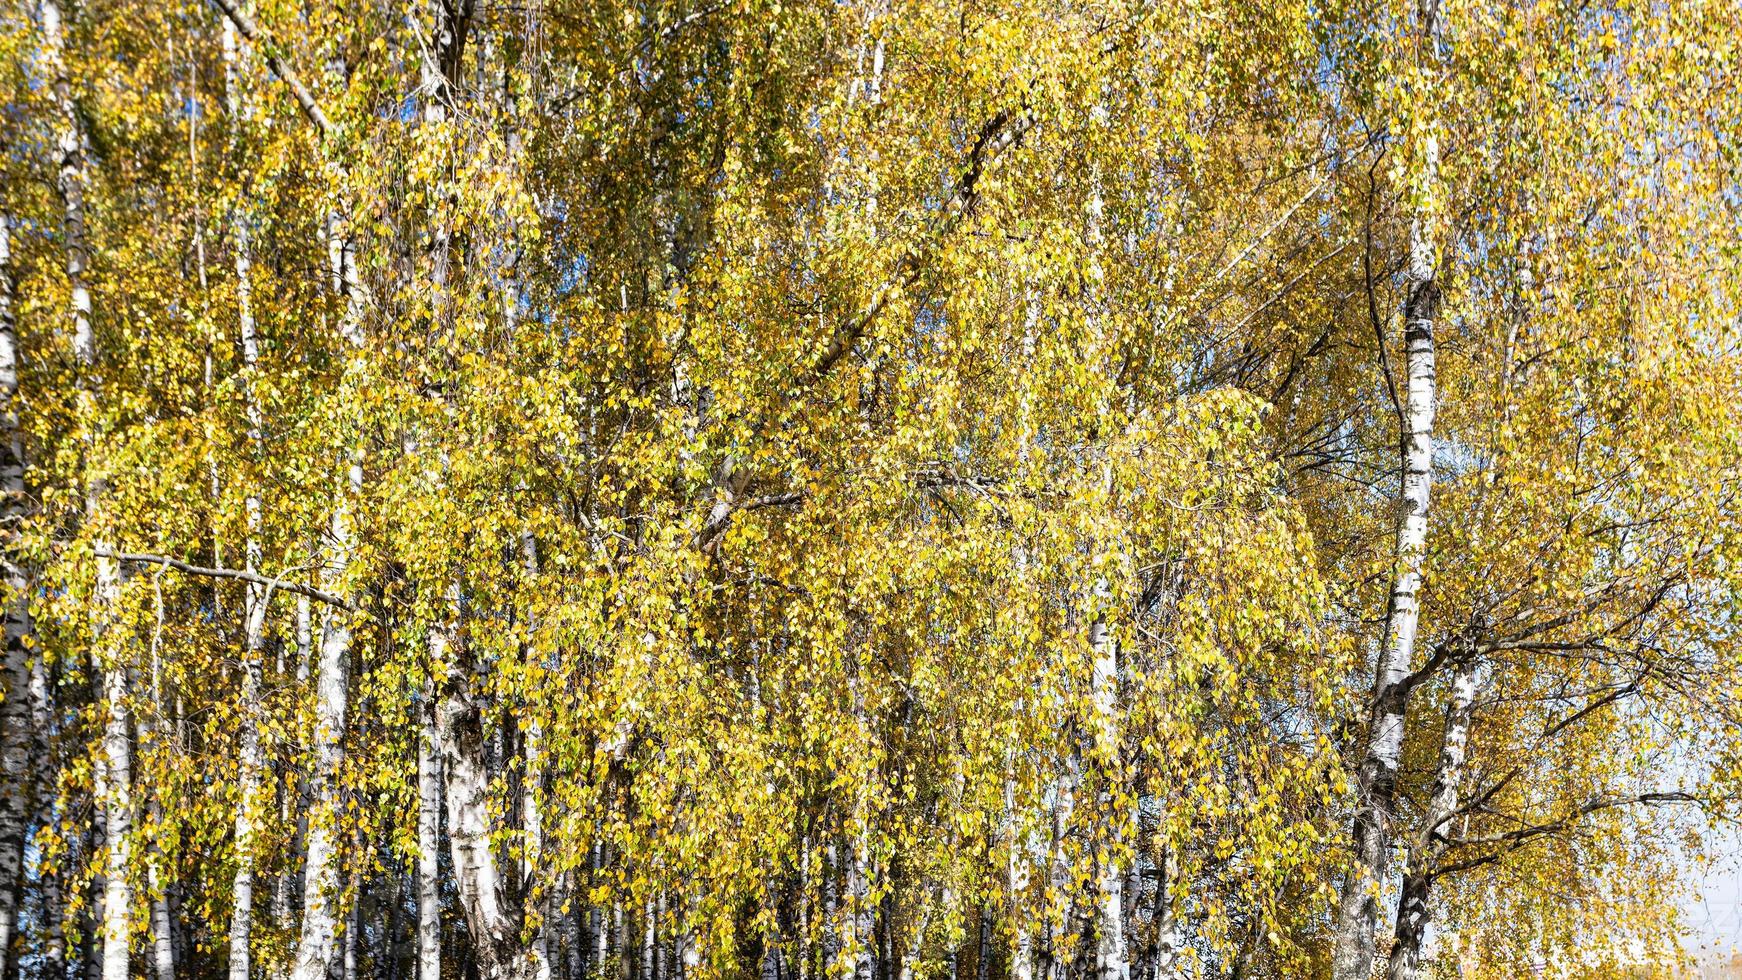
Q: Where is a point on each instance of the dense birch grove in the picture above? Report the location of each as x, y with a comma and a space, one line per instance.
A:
867, 490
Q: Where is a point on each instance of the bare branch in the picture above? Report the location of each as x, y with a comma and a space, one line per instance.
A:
1515, 839
237, 574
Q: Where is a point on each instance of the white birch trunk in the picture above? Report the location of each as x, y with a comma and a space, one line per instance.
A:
545, 940
831, 909
1358, 906
1428, 844
248, 802
860, 924
1110, 958
429, 815
1063, 808
1016, 886
42, 713
162, 938
596, 917
649, 941
318, 950
18, 737
689, 953
116, 798
118, 820
477, 878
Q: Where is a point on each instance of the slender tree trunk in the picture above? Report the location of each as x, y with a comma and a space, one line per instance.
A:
1376, 784
689, 953
1016, 886
157, 886
248, 802
118, 820
1110, 959
1064, 807
1428, 844
601, 932
859, 913
162, 927
1376, 780
43, 712
318, 946
429, 815
353, 925
117, 796
649, 942
482, 890
17, 736
545, 940
1170, 937
570, 927
90, 924
54, 943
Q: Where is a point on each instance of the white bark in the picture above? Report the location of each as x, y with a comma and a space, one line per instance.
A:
860, 924
596, 918
162, 938
118, 820
429, 814
649, 941
1110, 954
1063, 808
1170, 937
544, 941
1358, 907
1016, 886
477, 878
18, 738
1428, 843
42, 714
248, 802
318, 946
117, 795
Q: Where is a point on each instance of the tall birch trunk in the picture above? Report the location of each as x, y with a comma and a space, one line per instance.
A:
318, 948
1110, 954
545, 941
317, 945
1016, 887
860, 923
482, 890
1170, 939
248, 803
1017, 858
42, 713
1376, 781
429, 815
17, 730
162, 926
117, 795
1428, 844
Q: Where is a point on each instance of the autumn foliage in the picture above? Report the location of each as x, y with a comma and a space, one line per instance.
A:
871, 490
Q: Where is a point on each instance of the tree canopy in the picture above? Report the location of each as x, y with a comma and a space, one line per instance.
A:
869, 490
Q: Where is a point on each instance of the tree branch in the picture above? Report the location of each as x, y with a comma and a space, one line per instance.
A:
305, 99
1516, 839
237, 574
999, 134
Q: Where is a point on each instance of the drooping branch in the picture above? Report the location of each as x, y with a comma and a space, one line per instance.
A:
230, 573
1512, 840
